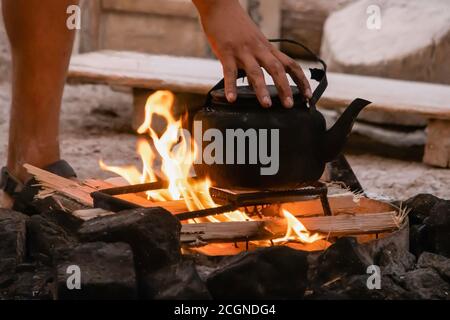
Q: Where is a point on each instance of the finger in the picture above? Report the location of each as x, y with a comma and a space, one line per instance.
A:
276, 69
296, 73
255, 76
230, 75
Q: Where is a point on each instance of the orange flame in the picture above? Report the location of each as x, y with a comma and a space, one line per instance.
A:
177, 157
297, 231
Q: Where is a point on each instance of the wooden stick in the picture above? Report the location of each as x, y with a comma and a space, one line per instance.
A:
81, 191
369, 223
88, 214
67, 187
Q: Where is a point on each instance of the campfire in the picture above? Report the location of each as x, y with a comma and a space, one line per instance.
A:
164, 233
247, 195
180, 232
219, 221
176, 154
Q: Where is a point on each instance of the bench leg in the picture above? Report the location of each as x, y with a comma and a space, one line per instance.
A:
184, 102
437, 149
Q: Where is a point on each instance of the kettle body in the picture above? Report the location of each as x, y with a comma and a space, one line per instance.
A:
246, 146
284, 142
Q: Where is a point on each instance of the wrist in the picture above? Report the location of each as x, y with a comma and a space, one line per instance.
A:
205, 7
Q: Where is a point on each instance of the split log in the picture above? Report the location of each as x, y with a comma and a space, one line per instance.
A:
88, 214
53, 183
369, 218
81, 191
330, 226
58, 202
199, 234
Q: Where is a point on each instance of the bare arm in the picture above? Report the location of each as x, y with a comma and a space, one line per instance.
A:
238, 43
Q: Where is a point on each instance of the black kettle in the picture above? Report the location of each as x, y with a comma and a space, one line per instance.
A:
246, 146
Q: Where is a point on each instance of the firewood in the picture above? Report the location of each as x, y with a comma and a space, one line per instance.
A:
88, 214
81, 191
364, 217
329, 226
70, 188
58, 202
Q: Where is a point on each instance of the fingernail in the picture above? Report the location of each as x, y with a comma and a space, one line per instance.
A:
308, 93
231, 96
267, 102
288, 102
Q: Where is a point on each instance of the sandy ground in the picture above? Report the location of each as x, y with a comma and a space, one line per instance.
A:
96, 121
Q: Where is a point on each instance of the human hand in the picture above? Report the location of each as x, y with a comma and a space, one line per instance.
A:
238, 43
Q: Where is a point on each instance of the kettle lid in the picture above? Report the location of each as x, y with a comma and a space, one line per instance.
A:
246, 97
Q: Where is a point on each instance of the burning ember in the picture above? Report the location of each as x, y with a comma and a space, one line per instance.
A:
171, 156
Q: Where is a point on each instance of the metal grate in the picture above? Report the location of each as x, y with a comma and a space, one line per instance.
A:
229, 199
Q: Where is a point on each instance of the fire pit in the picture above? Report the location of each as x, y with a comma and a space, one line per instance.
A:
221, 221
163, 233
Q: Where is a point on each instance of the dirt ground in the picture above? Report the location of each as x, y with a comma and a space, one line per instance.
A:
96, 122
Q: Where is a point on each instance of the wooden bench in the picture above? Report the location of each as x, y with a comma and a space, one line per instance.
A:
191, 78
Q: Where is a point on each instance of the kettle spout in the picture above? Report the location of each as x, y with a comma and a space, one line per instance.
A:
336, 137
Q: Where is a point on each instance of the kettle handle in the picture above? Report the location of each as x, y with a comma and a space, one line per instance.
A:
316, 74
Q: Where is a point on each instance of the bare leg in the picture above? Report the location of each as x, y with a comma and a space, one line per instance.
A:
41, 45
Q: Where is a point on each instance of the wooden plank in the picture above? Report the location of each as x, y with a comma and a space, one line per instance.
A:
437, 148
140, 70
67, 187
340, 204
196, 75
81, 192
330, 226
223, 232
88, 214
174, 206
388, 95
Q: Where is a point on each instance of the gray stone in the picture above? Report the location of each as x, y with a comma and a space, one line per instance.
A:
12, 235
438, 223
345, 257
7, 272
304, 20
152, 233
426, 283
179, 281
355, 287
439, 263
430, 224
45, 237
106, 270
419, 239
266, 273
31, 282
393, 261
408, 45
420, 207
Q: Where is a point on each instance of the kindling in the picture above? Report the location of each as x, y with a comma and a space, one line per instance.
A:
239, 146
